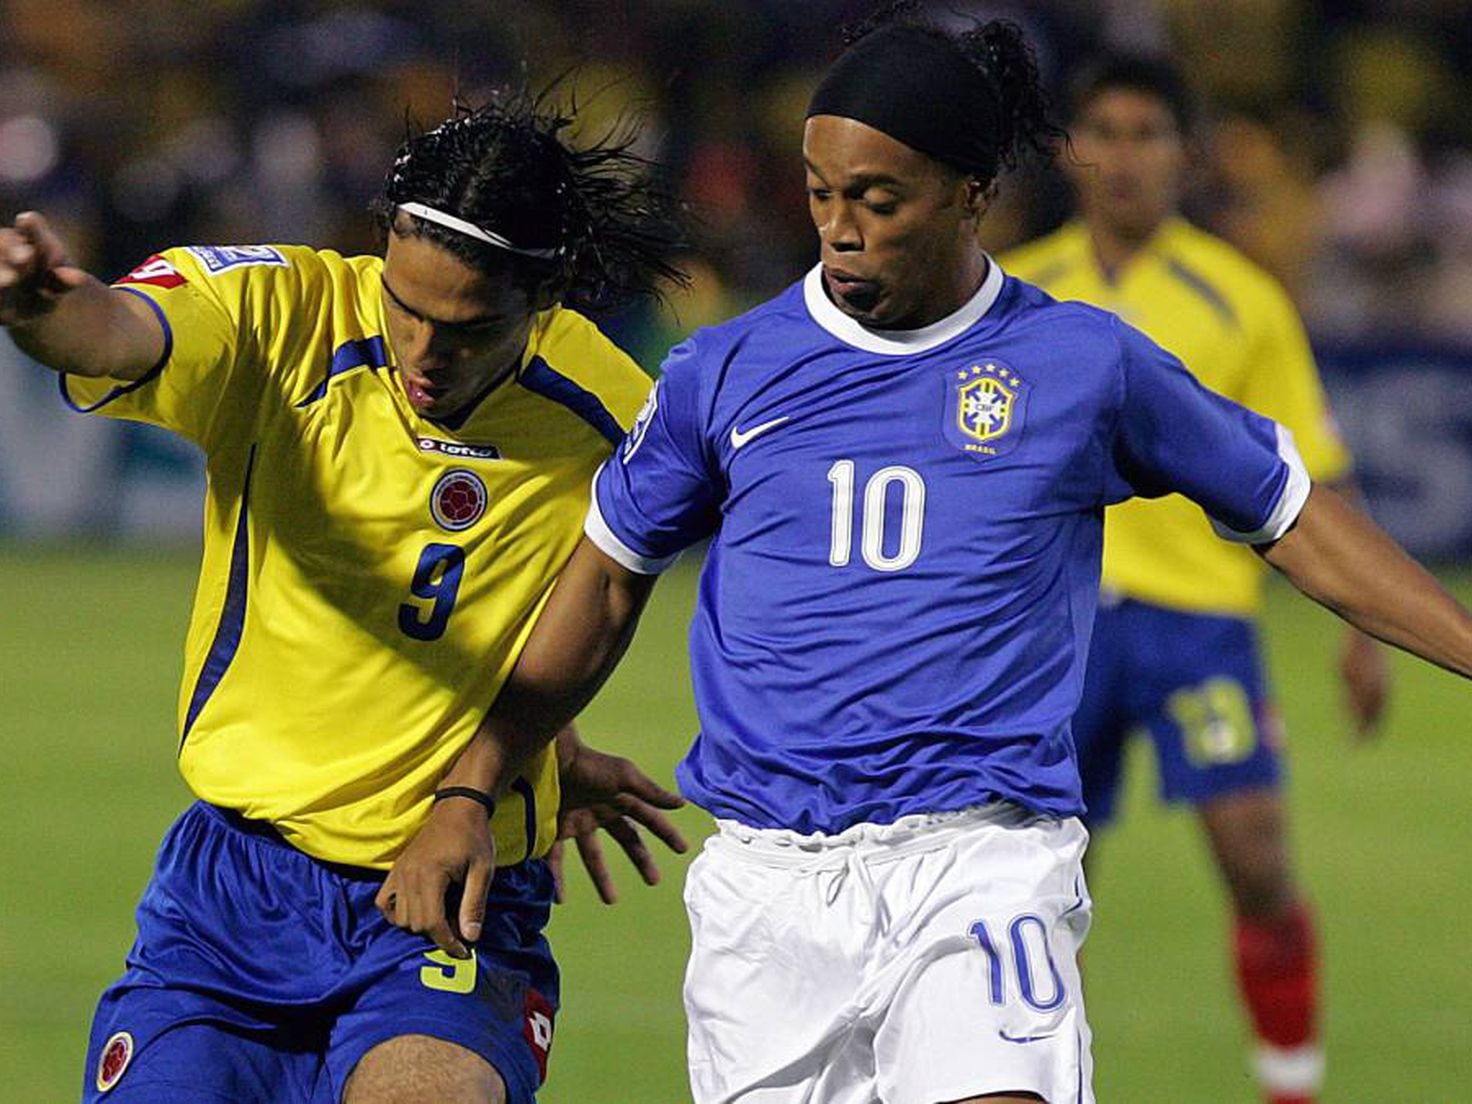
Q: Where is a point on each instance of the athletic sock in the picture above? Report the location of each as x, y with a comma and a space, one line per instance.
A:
1278, 970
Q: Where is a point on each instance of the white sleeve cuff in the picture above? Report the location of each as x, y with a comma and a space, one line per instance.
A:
1290, 500
607, 541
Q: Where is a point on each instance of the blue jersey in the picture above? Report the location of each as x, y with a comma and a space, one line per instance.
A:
895, 611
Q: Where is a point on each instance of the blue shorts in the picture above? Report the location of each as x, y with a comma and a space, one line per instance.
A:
1195, 683
263, 975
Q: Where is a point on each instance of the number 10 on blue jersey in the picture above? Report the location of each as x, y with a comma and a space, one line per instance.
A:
876, 493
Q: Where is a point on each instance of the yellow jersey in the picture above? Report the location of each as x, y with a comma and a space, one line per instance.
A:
369, 577
1234, 327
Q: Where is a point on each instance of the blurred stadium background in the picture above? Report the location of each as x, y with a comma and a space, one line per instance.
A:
1337, 151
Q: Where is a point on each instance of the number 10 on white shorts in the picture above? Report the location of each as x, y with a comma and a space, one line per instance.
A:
931, 959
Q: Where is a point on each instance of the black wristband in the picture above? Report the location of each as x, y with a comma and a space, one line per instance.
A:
475, 795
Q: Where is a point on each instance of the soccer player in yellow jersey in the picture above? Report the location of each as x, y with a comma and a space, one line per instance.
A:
399, 451
1174, 647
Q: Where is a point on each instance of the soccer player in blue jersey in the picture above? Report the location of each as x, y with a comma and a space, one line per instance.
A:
399, 450
902, 464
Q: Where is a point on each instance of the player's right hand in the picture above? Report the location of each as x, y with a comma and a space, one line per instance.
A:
34, 270
454, 848
1365, 672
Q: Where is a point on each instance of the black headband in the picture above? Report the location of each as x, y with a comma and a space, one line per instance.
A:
915, 85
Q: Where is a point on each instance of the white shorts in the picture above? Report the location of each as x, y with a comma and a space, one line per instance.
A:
928, 960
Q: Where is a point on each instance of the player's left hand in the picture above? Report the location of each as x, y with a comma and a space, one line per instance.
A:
1366, 676
455, 848
609, 793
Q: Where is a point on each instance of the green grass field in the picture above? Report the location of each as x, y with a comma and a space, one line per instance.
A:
89, 647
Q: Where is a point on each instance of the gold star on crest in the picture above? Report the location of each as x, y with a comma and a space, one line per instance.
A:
990, 368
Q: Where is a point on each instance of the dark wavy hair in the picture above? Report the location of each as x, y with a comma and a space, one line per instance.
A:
1150, 74
507, 166
1001, 53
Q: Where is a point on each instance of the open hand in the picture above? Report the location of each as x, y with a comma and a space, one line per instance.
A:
608, 792
1366, 677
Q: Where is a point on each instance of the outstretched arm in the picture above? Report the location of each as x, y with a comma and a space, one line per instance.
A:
70, 321
1344, 561
580, 637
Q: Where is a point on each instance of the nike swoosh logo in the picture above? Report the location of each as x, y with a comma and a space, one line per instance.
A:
1025, 1038
740, 439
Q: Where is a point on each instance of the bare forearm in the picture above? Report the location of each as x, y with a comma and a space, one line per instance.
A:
1343, 560
1347, 487
94, 331
483, 765
568, 744
65, 318
578, 641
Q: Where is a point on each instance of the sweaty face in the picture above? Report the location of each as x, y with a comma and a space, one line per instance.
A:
1131, 160
897, 228
454, 330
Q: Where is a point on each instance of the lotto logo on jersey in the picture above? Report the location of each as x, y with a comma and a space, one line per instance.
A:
155, 272
537, 1028
459, 449
116, 1055
458, 500
218, 258
986, 404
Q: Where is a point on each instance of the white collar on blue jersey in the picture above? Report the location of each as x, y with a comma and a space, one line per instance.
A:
900, 342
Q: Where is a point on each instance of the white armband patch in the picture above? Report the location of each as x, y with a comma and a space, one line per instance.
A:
1290, 500
608, 542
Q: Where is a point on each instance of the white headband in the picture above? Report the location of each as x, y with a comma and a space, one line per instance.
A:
469, 229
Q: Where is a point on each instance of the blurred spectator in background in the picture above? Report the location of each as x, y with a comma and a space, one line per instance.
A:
1344, 166
270, 113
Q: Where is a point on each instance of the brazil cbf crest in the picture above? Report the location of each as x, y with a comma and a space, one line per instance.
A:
458, 500
986, 406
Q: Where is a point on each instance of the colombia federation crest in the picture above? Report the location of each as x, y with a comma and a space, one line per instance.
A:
117, 1052
986, 405
458, 500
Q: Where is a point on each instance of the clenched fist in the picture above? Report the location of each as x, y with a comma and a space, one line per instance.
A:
34, 270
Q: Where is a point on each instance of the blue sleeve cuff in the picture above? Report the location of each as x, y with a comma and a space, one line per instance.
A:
141, 380
1291, 497
608, 542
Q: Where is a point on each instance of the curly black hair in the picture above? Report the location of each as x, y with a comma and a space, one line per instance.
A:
1001, 53
507, 166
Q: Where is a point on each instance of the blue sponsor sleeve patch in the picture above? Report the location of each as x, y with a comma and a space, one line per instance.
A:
218, 258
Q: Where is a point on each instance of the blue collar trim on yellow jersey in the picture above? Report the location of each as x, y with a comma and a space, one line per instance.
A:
539, 377
1199, 284
457, 419
365, 352
232, 612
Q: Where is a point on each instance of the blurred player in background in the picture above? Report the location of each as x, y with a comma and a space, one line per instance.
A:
399, 451
902, 464
1175, 647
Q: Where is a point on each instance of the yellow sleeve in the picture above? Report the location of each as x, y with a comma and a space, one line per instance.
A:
1283, 383
581, 351
1025, 260
207, 386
